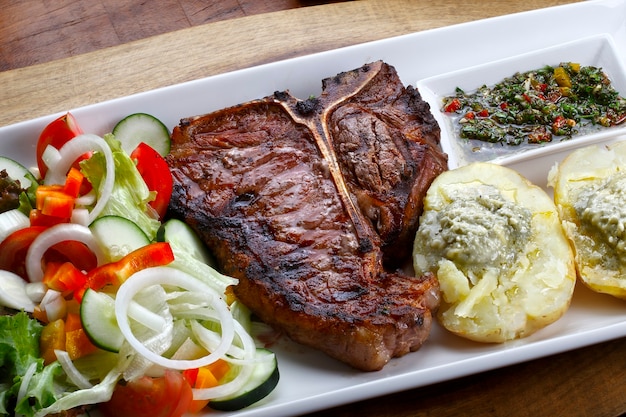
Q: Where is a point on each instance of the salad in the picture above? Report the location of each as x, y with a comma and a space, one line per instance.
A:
105, 301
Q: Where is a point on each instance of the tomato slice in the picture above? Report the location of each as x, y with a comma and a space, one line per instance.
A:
56, 134
156, 173
166, 396
13, 251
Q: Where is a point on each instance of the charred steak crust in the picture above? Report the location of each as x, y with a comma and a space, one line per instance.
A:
305, 201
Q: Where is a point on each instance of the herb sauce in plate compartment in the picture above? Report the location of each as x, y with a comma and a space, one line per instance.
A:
546, 101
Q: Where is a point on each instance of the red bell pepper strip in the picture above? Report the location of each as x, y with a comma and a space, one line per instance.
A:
115, 273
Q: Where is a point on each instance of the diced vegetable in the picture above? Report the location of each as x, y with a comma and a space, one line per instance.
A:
52, 338
77, 343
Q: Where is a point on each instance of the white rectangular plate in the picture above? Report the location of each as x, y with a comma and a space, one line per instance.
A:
309, 380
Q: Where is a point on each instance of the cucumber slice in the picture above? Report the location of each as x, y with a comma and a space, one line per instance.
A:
97, 314
17, 172
142, 127
182, 236
118, 236
263, 381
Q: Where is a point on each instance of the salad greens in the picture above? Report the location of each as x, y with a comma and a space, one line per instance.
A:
130, 195
183, 317
19, 358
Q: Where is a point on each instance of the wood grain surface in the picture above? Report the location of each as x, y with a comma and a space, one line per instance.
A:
57, 55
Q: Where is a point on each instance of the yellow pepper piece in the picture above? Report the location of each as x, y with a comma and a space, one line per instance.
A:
562, 77
52, 337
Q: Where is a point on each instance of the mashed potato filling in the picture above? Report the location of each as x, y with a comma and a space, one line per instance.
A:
590, 194
495, 243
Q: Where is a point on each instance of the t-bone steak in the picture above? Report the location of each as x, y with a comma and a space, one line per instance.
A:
313, 205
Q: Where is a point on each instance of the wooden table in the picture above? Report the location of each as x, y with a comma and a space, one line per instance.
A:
63, 54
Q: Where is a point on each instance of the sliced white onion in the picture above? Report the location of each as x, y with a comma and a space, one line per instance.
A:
11, 221
54, 305
87, 199
70, 152
247, 368
72, 373
189, 350
28, 375
171, 277
35, 291
146, 317
81, 216
53, 235
13, 292
51, 156
210, 339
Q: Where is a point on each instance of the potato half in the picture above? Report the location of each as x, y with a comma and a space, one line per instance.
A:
590, 194
495, 242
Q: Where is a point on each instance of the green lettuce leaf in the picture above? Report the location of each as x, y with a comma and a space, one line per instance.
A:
130, 196
19, 351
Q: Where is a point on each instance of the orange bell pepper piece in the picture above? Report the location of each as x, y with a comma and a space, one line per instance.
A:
77, 344
205, 377
63, 277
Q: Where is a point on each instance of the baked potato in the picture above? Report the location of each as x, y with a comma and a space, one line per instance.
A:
590, 194
495, 243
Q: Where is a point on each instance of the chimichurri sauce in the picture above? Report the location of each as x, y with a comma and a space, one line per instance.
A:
535, 107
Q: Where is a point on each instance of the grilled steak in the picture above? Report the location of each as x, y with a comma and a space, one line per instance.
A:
313, 204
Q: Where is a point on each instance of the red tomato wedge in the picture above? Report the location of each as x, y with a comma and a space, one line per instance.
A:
13, 251
14, 247
166, 396
156, 173
56, 134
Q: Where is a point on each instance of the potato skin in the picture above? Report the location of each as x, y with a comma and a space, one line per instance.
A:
600, 266
508, 295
